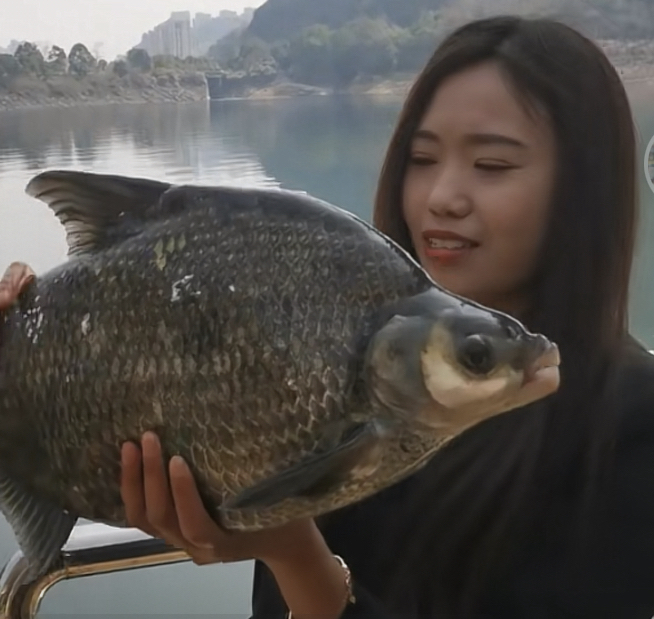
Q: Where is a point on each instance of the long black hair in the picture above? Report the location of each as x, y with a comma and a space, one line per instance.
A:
466, 512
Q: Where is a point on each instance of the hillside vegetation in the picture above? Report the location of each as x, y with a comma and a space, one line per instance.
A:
29, 77
340, 42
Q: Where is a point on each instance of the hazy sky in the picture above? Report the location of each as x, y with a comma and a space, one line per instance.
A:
118, 23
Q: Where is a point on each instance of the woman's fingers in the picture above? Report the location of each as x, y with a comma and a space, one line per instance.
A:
159, 506
195, 524
131, 485
174, 512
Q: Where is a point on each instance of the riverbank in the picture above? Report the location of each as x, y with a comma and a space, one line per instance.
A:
397, 87
22, 100
282, 89
634, 61
160, 86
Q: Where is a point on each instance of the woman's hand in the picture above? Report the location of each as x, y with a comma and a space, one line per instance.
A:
176, 513
312, 582
14, 280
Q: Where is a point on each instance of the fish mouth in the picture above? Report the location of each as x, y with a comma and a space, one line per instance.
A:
545, 366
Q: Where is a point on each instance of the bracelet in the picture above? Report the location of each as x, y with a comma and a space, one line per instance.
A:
349, 596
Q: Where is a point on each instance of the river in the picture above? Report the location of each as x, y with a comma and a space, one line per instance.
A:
331, 147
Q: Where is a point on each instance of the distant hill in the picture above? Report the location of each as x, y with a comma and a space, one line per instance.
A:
600, 19
332, 43
281, 19
209, 29
339, 42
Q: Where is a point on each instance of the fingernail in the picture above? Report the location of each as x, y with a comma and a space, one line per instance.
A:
124, 454
27, 279
150, 436
179, 462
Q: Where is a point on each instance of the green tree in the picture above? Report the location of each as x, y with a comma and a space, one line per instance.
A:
365, 47
57, 63
416, 43
280, 51
80, 61
120, 68
30, 59
227, 49
9, 69
310, 56
139, 59
254, 55
165, 61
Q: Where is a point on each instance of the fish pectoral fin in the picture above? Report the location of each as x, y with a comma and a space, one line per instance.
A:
41, 528
356, 457
96, 210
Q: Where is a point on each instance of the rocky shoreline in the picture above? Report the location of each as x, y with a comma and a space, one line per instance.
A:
278, 90
26, 100
633, 60
398, 88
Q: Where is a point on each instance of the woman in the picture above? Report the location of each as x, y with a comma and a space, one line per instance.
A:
511, 177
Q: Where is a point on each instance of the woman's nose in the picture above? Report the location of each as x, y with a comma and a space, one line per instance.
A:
449, 195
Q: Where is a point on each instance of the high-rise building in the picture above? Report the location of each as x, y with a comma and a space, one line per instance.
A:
171, 38
182, 36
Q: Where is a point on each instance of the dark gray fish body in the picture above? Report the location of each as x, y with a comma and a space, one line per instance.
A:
240, 326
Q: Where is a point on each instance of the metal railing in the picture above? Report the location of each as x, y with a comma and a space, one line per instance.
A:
91, 549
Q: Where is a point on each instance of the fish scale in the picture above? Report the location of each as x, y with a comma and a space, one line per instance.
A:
255, 331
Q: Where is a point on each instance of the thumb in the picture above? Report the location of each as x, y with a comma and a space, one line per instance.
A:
13, 281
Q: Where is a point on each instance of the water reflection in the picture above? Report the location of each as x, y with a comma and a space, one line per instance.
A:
331, 147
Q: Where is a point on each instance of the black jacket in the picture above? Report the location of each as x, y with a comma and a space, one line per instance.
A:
613, 579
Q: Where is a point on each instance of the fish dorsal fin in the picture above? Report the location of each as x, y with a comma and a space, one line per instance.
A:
92, 207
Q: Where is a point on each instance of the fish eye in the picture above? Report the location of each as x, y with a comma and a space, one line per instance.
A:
476, 355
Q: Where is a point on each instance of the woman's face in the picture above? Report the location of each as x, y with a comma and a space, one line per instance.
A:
478, 187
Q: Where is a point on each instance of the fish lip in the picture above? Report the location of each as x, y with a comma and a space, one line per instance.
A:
549, 358
448, 235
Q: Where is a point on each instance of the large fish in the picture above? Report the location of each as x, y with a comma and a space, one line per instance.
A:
295, 357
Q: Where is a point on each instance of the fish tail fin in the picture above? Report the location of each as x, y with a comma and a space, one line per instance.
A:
41, 528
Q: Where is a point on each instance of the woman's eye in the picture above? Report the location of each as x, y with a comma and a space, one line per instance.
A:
494, 167
422, 160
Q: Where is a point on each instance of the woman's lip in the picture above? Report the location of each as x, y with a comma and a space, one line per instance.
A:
448, 256
446, 235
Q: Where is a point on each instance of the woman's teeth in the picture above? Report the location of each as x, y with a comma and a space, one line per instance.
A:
448, 244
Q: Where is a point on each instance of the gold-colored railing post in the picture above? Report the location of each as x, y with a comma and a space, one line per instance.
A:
92, 549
